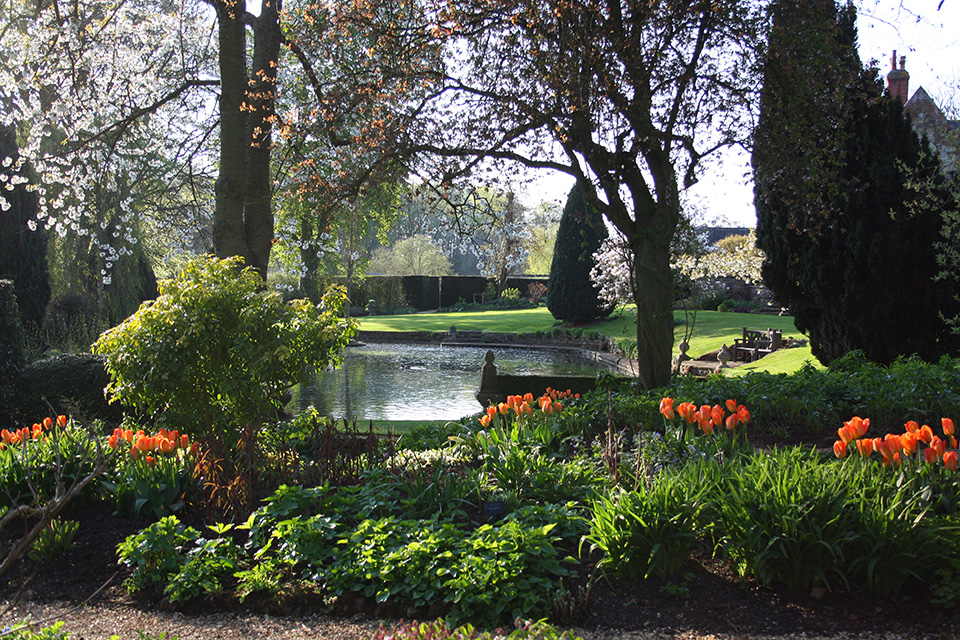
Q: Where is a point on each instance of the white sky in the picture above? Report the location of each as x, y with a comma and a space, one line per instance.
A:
928, 37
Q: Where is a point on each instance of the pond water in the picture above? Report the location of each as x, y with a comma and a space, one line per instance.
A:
419, 381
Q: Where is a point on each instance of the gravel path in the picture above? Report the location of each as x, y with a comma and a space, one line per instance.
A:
101, 622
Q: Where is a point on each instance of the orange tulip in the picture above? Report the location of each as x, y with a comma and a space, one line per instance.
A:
925, 433
938, 445
744, 414
858, 425
484, 420
48, 422
947, 426
716, 415
705, 413
908, 442
707, 427
847, 433
557, 407
504, 408
61, 421
113, 441
950, 460
185, 439
930, 455
865, 447
666, 408
731, 405
912, 426
840, 449
732, 421
167, 446
150, 460
134, 453
528, 397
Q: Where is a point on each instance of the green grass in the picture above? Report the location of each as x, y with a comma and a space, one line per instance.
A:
712, 329
499, 321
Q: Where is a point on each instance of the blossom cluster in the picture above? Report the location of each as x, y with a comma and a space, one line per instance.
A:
893, 448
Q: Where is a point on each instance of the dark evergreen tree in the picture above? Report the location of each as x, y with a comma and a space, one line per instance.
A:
571, 295
23, 253
843, 251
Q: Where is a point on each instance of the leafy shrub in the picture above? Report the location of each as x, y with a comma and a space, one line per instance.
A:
207, 563
216, 350
73, 383
156, 553
23, 632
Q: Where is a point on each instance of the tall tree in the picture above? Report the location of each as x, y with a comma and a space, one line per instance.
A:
628, 97
571, 294
845, 250
23, 252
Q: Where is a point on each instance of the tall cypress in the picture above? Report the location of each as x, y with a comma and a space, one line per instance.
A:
571, 295
843, 250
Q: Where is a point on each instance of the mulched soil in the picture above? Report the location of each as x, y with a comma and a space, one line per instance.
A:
706, 599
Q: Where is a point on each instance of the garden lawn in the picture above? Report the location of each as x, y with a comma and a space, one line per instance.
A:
712, 329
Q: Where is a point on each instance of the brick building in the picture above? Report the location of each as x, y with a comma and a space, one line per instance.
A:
928, 119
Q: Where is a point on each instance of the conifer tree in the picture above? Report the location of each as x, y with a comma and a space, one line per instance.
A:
845, 251
571, 294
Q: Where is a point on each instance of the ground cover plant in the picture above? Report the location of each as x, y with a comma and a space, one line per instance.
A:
535, 505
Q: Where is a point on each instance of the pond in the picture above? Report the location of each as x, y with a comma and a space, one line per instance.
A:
387, 381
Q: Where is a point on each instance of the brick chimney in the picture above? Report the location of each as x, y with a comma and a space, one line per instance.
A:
898, 80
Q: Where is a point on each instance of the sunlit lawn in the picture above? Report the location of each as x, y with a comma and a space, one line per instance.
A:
711, 330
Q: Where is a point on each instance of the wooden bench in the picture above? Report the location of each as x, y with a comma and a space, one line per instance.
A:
756, 344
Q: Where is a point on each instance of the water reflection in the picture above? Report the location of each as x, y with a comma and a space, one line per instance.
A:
420, 382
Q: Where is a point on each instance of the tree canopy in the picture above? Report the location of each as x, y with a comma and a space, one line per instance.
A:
845, 250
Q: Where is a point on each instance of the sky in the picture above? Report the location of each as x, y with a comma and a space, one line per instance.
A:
929, 38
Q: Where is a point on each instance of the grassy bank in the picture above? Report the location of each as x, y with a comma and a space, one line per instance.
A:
711, 330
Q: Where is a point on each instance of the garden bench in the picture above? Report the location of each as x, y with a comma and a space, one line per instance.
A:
756, 344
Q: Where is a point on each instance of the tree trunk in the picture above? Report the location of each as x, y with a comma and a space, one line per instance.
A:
258, 211
654, 299
228, 228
